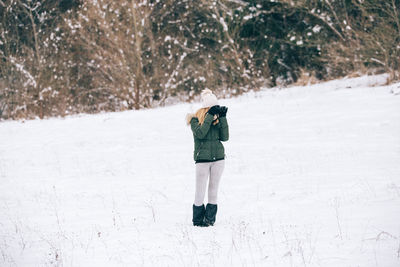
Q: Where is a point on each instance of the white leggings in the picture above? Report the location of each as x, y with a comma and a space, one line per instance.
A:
205, 170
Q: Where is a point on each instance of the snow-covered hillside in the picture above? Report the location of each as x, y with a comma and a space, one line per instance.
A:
312, 178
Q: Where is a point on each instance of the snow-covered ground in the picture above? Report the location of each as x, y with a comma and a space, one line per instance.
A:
312, 178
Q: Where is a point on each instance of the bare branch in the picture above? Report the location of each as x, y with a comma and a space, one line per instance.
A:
396, 16
329, 25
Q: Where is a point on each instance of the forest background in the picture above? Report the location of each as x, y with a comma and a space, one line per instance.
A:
69, 56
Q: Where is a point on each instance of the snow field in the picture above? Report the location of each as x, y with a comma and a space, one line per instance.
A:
312, 178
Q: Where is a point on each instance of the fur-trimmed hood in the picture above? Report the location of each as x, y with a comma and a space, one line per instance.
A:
189, 117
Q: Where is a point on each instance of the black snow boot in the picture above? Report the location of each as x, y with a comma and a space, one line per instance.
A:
198, 215
210, 215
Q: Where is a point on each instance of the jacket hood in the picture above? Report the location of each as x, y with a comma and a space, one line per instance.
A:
189, 117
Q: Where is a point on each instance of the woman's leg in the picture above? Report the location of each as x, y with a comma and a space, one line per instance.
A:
216, 170
202, 174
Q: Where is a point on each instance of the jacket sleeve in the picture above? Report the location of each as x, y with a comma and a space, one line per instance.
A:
224, 129
200, 131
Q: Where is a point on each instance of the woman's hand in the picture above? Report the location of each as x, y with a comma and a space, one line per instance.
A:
214, 110
222, 111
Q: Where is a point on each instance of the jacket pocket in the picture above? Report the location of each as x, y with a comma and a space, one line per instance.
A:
196, 156
220, 150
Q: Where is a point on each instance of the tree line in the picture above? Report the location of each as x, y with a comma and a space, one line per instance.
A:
71, 56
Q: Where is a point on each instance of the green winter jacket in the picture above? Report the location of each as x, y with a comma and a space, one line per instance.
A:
208, 137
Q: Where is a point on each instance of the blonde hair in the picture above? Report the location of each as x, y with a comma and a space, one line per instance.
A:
201, 115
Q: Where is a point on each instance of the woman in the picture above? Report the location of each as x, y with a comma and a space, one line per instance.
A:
209, 127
